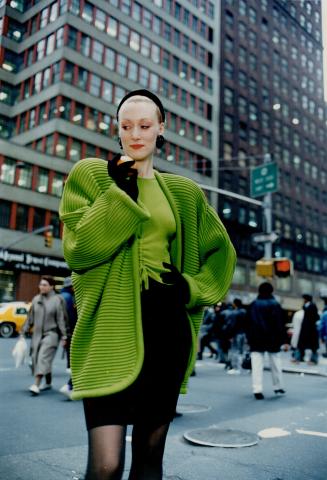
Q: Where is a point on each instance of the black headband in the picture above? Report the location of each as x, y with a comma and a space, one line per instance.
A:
144, 93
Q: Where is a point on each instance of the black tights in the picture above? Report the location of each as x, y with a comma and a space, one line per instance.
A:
107, 452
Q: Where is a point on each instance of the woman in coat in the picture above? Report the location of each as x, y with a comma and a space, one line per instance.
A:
147, 254
46, 316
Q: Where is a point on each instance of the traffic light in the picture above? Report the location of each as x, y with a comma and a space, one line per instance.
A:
269, 267
283, 267
48, 239
265, 267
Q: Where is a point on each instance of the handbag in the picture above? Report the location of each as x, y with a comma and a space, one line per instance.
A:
246, 362
20, 352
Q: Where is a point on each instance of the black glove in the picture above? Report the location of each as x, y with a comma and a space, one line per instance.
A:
124, 176
174, 277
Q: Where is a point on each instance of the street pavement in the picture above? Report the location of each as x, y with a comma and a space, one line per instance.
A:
44, 437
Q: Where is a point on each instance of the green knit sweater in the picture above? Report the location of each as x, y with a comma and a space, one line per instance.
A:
101, 247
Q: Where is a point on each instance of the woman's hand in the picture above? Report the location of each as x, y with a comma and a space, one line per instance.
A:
174, 277
121, 171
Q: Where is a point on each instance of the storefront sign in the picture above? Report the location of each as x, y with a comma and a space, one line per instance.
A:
32, 262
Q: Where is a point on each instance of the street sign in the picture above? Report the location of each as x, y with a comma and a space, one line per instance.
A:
265, 237
264, 179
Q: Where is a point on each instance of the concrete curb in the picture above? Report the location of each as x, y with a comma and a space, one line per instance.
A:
302, 370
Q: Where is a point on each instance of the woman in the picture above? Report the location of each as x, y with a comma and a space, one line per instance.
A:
46, 316
148, 253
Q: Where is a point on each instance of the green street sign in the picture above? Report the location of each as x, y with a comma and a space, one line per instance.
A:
264, 179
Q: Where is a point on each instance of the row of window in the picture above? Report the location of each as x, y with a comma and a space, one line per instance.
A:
95, 85
250, 60
281, 19
115, 61
283, 157
282, 111
174, 8
73, 149
151, 22
251, 217
26, 219
100, 122
279, 40
286, 88
28, 176
249, 132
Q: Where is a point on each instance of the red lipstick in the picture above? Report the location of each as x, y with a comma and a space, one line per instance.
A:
137, 146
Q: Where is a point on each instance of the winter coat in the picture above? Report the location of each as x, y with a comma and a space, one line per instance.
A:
235, 322
66, 294
265, 328
46, 316
309, 337
323, 324
100, 242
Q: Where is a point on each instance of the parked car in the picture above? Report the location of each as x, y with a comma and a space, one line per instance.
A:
12, 317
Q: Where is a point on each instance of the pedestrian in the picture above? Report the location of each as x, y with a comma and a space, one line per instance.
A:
206, 333
222, 311
46, 316
296, 329
323, 326
148, 253
235, 331
266, 333
309, 336
67, 293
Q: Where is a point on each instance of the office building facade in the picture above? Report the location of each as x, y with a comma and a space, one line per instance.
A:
272, 104
64, 66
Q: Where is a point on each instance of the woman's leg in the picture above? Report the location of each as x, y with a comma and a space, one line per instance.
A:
38, 379
106, 456
148, 445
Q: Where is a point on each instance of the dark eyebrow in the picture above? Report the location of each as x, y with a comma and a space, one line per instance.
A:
140, 120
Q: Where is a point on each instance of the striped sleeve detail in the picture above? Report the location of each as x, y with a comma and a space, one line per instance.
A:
96, 223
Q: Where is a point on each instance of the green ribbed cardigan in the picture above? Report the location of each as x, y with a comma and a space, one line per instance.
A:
101, 247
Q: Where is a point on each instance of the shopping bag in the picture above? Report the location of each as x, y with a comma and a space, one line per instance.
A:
20, 352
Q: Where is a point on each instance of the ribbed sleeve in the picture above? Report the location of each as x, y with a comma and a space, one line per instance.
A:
96, 224
217, 257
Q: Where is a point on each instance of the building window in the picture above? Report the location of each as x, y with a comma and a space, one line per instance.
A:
5, 208
87, 13
228, 123
42, 181
228, 70
97, 51
123, 34
228, 96
8, 170
75, 151
227, 210
61, 146
57, 184
112, 28
22, 218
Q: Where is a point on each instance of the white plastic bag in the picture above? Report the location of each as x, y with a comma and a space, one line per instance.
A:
20, 352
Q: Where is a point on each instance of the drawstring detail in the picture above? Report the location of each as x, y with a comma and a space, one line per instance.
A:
144, 277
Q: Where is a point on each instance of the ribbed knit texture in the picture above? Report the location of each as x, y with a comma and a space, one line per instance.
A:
100, 246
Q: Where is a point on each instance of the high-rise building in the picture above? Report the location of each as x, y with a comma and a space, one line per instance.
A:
272, 103
64, 66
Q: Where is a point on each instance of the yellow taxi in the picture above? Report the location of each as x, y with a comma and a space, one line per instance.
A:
12, 317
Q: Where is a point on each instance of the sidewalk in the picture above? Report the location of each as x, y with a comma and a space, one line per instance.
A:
303, 367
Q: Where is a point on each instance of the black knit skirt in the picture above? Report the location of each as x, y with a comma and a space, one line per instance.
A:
152, 398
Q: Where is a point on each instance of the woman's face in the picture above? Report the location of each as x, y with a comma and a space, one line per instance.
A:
139, 127
44, 287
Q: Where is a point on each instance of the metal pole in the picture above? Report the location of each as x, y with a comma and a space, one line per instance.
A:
267, 211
